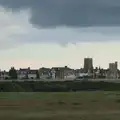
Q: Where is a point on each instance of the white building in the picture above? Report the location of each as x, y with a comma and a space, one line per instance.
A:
4, 75
53, 73
32, 74
27, 74
83, 74
70, 77
44, 73
113, 73
22, 73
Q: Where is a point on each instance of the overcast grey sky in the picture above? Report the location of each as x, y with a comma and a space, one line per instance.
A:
70, 13
51, 32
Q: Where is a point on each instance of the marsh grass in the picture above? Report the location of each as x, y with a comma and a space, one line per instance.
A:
98, 105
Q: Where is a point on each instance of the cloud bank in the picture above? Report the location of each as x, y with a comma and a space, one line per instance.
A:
65, 21
12, 28
71, 13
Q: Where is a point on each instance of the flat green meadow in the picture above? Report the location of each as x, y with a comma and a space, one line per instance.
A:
99, 105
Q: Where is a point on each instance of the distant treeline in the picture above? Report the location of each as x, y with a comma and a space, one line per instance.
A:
66, 86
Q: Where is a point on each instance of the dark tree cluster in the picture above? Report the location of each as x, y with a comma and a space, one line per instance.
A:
13, 73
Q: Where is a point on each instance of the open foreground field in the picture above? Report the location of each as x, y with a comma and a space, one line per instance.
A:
62, 105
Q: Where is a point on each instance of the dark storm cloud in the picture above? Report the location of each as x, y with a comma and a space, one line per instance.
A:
72, 13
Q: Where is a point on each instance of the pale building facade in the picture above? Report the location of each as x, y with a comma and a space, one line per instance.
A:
113, 70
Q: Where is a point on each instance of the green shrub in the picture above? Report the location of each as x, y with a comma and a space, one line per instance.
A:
58, 86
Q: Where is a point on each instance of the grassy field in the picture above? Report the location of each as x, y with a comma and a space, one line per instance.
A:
57, 106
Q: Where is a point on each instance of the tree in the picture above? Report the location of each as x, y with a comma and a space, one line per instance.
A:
37, 74
13, 73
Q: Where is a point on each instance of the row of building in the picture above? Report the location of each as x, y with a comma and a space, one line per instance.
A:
67, 73
44, 73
